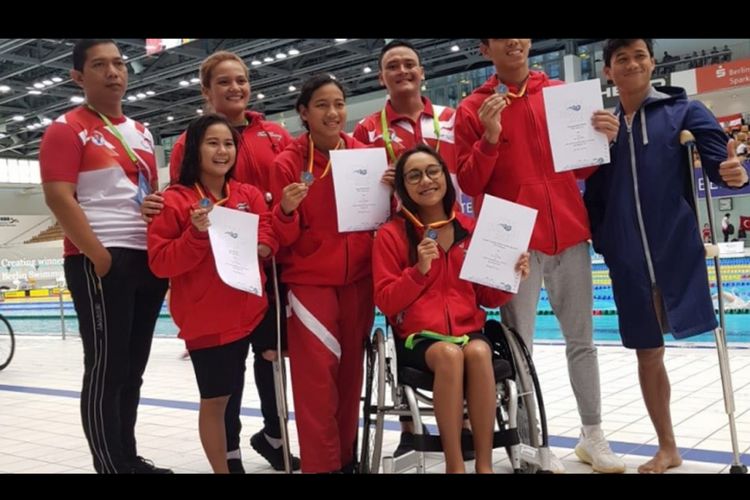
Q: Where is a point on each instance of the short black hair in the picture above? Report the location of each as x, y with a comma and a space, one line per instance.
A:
82, 46
310, 86
190, 170
392, 45
449, 200
612, 44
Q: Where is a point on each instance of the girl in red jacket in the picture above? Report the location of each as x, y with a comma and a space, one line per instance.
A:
417, 259
214, 319
329, 279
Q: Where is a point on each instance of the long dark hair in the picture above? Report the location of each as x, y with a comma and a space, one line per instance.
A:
449, 200
190, 170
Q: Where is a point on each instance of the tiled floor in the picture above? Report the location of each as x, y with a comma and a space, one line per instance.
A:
40, 429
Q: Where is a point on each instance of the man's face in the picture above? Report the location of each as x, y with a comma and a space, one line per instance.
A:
401, 72
630, 67
507, 53
104, 76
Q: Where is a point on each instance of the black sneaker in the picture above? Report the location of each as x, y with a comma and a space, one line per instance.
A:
235, 466
467, 455
405, 444
274, 456
144, 466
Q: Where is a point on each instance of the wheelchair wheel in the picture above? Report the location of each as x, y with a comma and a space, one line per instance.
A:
7, 343
528, 416
373, 415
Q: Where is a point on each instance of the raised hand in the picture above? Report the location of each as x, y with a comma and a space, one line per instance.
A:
152, 206
732, 171
490, 113
292, 196
199, 219
606, 123
427, 251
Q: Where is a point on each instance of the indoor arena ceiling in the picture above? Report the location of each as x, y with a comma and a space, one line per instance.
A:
35, 86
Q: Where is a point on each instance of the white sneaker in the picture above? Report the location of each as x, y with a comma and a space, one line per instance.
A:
555, 464
594, 450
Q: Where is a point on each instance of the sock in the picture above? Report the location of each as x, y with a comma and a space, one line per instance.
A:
589, 429
275, 442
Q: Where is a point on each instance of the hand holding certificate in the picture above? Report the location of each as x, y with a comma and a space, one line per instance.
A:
234, 243
575, 143
362, 201
501, 235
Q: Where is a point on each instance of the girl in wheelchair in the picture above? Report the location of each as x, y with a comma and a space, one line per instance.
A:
436, 317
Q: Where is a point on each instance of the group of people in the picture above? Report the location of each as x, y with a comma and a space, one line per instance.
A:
124, 238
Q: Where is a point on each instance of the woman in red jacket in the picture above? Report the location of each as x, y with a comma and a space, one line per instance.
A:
329, 278
435, 315
214, 319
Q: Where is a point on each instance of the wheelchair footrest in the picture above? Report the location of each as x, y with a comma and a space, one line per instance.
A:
500, 439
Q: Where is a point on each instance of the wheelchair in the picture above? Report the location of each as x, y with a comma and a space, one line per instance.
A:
391, 390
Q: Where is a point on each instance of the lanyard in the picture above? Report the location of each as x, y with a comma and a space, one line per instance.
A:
432, 227
202, 196
144, 179
387, 134
503, 89
311, 154
411, 341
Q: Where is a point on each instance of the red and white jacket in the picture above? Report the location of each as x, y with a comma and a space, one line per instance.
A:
406, 134
318, 253
519, 167
207, 311
260, 142
439, 301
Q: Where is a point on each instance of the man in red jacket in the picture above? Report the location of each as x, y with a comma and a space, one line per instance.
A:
503, 150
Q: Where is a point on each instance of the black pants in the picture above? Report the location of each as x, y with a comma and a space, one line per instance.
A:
262, 339
116, 318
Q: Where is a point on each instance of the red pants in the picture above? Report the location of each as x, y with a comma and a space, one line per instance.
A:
326, 333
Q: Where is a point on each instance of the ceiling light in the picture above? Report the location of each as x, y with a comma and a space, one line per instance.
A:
46, 121
47, 82
260, 95
125, 57
140, 95
2, 136
146, 124
366, 70
280, 55
38, 85
35, 92
256, 62
195, 79
18, 118
293, 52
4, 89
199, 111
268, 59
76, 99
56, 79
184, 83
292, 88
132, 98
340, 40
170, 118
455, 48
150, 92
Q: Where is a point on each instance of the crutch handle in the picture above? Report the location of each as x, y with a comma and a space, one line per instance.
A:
686, 137
711, 250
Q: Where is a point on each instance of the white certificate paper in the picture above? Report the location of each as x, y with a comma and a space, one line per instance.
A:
234, 243
362, 202
501, 235
575, 143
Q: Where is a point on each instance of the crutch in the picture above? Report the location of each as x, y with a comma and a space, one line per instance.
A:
279, 375
712, 250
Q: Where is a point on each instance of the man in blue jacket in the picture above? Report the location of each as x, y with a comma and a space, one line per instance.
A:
644, 224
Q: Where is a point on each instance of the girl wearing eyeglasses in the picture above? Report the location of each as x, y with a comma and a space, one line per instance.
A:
436, 316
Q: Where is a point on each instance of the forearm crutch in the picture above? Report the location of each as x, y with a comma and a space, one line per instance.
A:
688, 140
279, 376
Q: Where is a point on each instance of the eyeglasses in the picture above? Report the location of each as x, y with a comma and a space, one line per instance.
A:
434, 172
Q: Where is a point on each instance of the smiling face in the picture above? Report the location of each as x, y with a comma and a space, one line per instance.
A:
630, 67
425, 180
228, 91
400, 71
104, 77
217, 151
325, 114
507, 54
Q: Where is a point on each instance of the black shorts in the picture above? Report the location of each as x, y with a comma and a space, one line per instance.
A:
219, 370
415, 358
263, 336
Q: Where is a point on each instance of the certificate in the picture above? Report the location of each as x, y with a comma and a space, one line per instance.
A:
575, 143
234, 243
502, 234
362, 201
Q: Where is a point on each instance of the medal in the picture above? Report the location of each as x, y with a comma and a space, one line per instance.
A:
204, 203
501, 89
307, 178
432, 234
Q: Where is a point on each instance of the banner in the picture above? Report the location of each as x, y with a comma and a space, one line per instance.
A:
717, 190
723, 76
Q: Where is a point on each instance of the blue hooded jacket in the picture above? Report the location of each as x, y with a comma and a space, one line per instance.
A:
643, 220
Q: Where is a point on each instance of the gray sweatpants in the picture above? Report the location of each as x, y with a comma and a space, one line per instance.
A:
567, 277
